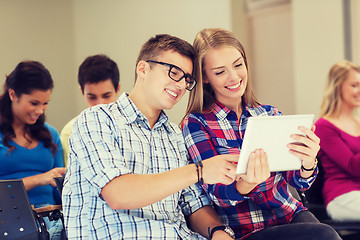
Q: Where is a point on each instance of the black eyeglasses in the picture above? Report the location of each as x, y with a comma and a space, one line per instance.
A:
176, 74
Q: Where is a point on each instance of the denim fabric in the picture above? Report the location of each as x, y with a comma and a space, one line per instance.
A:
53, 227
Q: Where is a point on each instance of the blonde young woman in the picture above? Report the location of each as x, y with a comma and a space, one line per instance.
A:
339, 130
258, 205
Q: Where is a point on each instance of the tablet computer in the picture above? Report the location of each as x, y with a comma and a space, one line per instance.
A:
272, 133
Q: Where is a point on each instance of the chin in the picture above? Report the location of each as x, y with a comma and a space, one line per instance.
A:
168, 106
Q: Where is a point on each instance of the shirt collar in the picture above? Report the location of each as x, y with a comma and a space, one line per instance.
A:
133, 114
221, 111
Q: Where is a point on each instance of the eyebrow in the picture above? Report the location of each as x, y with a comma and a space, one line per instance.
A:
92, 94
37, 101
215, 68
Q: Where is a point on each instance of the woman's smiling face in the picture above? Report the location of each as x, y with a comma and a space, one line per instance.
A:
226, 72
27, 108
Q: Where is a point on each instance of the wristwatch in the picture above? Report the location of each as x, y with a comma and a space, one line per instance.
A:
224, 228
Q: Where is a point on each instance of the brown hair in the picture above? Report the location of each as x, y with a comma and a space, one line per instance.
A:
26, 77
98, 68
202, 96
155, 46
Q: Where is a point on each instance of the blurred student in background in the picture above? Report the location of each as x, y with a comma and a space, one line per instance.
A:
98, 79
30, 149
339, 130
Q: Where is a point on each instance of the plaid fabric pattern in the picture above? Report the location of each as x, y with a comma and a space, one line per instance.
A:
111, 140
217, 131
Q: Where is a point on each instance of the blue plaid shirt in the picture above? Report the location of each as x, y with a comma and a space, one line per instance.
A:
111, 140
217, 131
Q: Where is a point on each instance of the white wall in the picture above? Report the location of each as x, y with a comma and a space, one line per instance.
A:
40, 30
119, 28
292, 50
355, 27
318, 44
62, 33
270, 55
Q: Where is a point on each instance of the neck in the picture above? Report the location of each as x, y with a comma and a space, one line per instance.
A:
347, 112
236, 107
19, 128
143, 104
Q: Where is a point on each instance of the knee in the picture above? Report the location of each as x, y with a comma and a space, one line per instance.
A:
324, 231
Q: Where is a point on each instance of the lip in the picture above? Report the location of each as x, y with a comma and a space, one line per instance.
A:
34, 118
171, 93
234, 87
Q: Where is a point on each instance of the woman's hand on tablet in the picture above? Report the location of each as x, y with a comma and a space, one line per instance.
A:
306, 150
257, 172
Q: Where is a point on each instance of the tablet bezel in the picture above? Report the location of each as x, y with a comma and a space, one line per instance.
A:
272, 133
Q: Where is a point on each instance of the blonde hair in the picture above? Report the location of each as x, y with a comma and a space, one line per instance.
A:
331, 103
202, 96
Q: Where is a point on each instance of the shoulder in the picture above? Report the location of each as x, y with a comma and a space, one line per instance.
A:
325, 129
191, 116
68, 126
54, 133
174, 128
99, 112
263, 110
50, 128
202, 118
100, 119
323, 123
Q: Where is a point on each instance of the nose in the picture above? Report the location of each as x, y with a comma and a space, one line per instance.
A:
40, 110
104, 101
234, 74
181, 84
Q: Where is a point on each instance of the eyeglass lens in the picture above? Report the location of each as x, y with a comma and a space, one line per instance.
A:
177, 74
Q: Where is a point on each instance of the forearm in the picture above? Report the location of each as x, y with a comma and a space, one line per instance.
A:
202, 219
133, 191
244, 187
43, 178
31, 182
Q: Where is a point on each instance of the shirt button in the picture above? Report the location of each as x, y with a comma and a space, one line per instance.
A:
260, 195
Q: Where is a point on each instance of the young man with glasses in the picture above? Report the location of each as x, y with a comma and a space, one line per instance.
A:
128, 175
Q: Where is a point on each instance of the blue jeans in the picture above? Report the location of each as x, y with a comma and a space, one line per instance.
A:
53, 227
304, 226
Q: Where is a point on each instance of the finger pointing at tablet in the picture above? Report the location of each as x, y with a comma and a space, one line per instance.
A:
220, 169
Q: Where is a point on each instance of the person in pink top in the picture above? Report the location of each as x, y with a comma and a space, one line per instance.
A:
339, 131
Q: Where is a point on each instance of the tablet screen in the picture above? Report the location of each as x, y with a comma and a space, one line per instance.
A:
272, 133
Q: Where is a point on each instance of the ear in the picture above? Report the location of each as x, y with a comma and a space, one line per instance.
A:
141, 68
205, 80
118, 88
81, 90
12, 94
